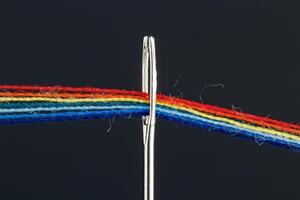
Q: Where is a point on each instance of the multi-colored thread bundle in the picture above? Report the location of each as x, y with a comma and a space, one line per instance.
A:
21, 104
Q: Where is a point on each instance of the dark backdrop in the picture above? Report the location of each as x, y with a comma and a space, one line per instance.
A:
250, 46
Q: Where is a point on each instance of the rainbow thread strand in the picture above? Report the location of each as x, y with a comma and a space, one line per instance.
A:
23, 104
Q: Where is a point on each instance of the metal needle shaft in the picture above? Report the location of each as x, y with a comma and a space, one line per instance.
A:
149, 85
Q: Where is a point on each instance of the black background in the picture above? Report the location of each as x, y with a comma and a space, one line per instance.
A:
250, 46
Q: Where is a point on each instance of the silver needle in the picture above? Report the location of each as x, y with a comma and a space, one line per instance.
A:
149, 121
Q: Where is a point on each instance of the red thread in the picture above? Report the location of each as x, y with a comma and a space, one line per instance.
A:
68, 89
